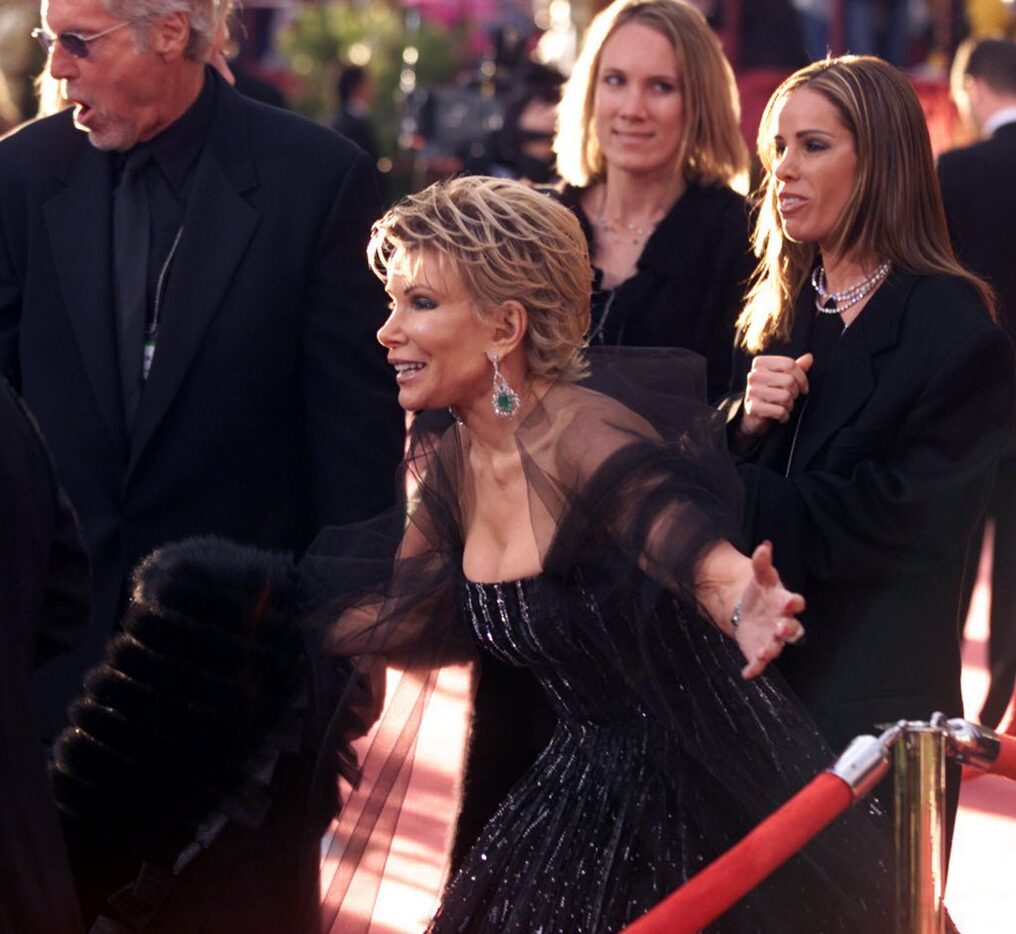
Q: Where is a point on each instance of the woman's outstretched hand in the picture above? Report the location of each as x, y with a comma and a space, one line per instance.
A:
767, 614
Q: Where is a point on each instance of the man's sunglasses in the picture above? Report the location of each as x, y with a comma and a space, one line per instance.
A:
71, 42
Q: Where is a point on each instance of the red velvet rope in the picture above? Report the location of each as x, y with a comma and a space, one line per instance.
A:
1005, 764
707, 895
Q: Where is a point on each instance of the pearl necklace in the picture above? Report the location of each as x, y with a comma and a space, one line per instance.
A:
832, 303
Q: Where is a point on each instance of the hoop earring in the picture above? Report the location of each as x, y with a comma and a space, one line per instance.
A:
504, 399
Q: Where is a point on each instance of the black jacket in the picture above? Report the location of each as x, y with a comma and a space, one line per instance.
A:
690, 282
980, 204
888, 475
269, 411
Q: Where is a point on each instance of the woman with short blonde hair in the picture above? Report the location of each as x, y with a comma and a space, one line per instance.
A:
542, 261
583, 541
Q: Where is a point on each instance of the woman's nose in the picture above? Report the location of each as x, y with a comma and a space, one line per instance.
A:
388, 333
633, 101
784, 167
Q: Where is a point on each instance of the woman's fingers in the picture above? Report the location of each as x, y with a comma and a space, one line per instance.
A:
767, 386
789, 631
768, 620
796, 636
771, 370
772, 411
774, 384
762, 566
772, 649
762, 658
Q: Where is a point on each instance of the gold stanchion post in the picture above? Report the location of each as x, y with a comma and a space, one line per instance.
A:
919, 767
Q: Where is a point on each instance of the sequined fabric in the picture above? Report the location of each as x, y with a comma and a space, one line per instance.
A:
618, 811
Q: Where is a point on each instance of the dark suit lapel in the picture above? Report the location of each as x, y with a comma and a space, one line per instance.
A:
79, 228
849, 377
216, 232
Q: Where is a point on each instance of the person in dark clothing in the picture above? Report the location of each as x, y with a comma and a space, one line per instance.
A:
877, 400
522, 147
356, 95
980, 204
184, 783
584, 542
44, 610
648, 146
185, 306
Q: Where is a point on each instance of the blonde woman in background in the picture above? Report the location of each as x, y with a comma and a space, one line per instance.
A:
648, 146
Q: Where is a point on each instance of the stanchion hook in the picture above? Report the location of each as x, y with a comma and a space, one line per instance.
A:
971, 743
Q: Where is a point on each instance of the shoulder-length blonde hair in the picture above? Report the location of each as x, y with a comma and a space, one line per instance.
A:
712, 150
894, 210
505, 241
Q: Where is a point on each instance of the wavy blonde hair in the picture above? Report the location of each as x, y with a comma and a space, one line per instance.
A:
505, 241
712, 150
894, 211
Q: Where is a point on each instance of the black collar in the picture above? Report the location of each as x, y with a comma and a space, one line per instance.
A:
176, 149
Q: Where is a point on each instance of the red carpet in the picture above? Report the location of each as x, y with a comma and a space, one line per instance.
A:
980, 894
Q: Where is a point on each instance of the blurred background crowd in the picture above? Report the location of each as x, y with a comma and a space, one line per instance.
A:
432, 87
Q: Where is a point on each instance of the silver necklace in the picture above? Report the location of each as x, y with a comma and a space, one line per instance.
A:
636, 232
833, 303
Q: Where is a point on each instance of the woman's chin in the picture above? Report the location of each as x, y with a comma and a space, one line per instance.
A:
412, 401
794, 233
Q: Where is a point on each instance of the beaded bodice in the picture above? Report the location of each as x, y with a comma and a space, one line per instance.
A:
531, 623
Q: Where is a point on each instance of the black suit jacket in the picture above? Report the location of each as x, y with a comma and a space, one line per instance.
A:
889, 474
689, 285
980, 206
43, 609
269, 410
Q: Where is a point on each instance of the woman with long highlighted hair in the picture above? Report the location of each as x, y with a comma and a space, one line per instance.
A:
877, 400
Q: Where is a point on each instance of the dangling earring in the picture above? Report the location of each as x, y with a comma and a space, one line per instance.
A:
504, 399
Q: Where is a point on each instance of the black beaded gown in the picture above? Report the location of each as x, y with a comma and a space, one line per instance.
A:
663, 756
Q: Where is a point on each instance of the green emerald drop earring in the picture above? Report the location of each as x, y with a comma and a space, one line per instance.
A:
504, 399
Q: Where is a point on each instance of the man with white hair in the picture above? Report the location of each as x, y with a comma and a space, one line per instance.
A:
185, 303
186, 306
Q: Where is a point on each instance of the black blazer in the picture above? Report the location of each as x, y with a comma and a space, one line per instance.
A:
269, 410
689, 284
980, 205
43, 609
870, 518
